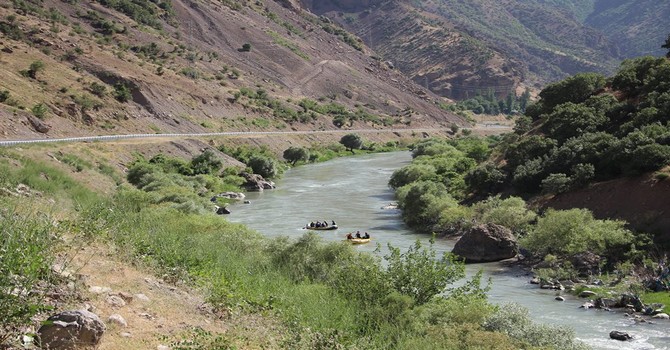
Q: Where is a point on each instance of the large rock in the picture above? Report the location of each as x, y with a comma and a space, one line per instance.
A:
484, 243
255, 182
71, 330
586, 263
618, 335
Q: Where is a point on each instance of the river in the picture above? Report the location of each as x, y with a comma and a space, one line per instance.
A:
353, 190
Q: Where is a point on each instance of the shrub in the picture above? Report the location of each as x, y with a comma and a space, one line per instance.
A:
264, 166
26, 248
206, 163
556, 183
122, 93
419, 274
4, 96
40, 110
510, 212
246, 47
485, 179
34, 68
513, 320
568, 232
98, 89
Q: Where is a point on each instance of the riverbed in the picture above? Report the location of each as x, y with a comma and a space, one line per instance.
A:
353, 190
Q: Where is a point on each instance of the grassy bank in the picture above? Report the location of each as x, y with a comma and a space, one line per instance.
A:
325, 296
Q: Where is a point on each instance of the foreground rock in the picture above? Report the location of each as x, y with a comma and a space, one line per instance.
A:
486, 243
79, 329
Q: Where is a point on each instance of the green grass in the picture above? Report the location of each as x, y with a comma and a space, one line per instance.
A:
657, 297
279, 40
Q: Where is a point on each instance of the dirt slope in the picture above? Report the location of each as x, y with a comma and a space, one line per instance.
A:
643, 201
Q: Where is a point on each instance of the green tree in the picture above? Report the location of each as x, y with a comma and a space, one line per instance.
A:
575, 89
667, 46
295, 154
510, 212
556, 183
264, 166
569, 119
485, 179
413, 173
351, 142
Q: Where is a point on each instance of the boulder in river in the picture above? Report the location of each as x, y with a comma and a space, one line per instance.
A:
618, 335
486, 243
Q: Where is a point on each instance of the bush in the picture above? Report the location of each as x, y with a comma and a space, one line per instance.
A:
4, 96
510, 212
264, 166
513, 320
34, 68
122, 93
556, 183
40, 110
206, 163
419, 274
26, 251
485, 179
98, 89
568, 232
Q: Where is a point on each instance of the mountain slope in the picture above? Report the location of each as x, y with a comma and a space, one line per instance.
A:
458, 49
638, 27
192, 66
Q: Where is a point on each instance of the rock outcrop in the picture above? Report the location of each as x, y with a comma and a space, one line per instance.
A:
485, 243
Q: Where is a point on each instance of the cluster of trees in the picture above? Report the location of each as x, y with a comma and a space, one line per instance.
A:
489, 103
431, 190
591, 128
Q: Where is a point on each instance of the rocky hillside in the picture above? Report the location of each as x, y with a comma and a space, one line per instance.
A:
100, 67
459, 49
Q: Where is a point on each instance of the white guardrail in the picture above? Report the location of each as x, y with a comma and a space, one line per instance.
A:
210, 134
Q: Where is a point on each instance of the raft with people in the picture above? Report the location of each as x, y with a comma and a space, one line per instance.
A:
358, 238
318, 225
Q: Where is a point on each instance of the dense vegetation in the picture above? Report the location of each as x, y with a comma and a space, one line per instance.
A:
585, 128
588, 128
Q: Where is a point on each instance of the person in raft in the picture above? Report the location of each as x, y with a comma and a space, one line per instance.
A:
350, 236
366, 235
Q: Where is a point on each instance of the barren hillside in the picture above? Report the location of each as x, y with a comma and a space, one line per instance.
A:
193, 66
